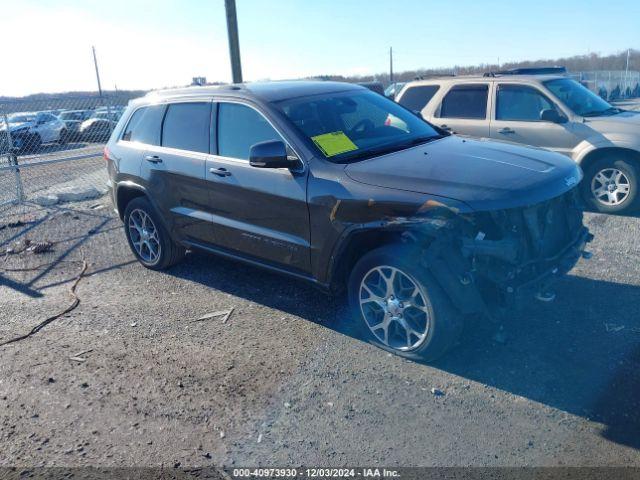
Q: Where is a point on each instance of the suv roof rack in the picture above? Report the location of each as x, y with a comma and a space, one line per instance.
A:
529, 71
433, 75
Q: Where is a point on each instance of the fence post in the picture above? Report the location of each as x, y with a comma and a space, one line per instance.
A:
13, 161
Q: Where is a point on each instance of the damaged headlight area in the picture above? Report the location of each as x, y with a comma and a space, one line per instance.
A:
484, 259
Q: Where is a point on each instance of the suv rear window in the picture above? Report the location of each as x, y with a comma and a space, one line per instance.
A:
144, 125
416, 98
187, 127
465, 101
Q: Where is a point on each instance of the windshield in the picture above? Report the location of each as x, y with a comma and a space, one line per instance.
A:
352, 125
71, 116
21, 118
579, 99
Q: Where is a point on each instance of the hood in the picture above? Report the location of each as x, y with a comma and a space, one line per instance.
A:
483, 174
625, 122
17, 126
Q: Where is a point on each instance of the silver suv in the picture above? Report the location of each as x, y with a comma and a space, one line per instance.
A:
547, 111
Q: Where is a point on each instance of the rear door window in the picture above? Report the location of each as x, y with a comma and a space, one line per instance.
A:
465, 101
416, 98
187, 126
240, 127
144, 125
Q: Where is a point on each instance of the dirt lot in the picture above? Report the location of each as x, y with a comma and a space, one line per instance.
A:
284, 381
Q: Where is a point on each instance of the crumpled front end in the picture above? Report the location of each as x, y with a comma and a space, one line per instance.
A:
493, 258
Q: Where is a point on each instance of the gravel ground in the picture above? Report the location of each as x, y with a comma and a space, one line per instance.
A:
284, 381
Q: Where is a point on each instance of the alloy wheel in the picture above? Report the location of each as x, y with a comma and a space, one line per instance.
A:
610, 186
144, 236
394, 307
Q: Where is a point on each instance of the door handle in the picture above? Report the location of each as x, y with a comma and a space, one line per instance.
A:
153, 158
221, 172
506, 130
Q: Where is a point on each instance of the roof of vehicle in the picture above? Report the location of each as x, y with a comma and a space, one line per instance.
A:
482, 78
266, 91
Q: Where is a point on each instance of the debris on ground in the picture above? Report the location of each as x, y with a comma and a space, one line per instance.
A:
436, 392
47, 321
40, 247
225, 314
79, 357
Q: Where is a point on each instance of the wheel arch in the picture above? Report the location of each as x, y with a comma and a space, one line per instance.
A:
354, 245
598, 153
125, 192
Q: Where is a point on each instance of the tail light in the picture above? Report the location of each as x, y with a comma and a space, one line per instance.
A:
106, 154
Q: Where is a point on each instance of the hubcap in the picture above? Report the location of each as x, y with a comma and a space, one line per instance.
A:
610, 186
144, 236
394, 308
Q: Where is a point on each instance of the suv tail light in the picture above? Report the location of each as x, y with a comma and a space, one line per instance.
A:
106, 154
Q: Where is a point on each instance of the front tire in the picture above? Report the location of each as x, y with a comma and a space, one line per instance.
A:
610, 185
148, 239
34, 143
64, 137
400, 307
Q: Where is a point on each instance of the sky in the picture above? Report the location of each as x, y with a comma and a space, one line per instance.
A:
46, 44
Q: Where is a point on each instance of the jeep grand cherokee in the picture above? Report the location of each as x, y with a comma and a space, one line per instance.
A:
311, 179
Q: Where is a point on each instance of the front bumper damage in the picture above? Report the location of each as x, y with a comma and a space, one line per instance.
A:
496, 259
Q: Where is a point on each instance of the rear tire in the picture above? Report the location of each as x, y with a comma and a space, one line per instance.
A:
421, 323
148, 239
610, 184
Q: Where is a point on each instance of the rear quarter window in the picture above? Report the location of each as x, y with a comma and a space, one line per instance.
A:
144, 125
416, 98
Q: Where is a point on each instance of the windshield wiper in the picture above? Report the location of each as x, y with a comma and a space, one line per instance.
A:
395, 147
598, 113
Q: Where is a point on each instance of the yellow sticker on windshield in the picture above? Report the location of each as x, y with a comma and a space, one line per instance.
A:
334, 143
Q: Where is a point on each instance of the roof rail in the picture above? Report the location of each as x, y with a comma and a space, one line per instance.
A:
434, 75
529, 71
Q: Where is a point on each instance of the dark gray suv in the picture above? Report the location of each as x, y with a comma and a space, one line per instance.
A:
339, 186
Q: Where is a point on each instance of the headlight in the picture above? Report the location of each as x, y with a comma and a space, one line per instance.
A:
19, 131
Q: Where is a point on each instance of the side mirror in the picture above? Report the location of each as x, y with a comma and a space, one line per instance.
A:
552, 115
270, 154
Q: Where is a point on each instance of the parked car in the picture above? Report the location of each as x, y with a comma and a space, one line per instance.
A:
548, 111
99, 125
29, 130
73, 119
421, 227
392, 90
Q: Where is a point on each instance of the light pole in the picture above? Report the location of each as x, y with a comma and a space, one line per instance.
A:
95, 63
234, 44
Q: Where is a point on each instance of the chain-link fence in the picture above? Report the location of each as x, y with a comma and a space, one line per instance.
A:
51, 148
611, 85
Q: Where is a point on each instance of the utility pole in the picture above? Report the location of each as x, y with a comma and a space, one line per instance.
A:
95, 63
390, 64
234, 44
626, 74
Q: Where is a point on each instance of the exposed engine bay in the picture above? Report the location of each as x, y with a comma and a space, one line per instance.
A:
488, 259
